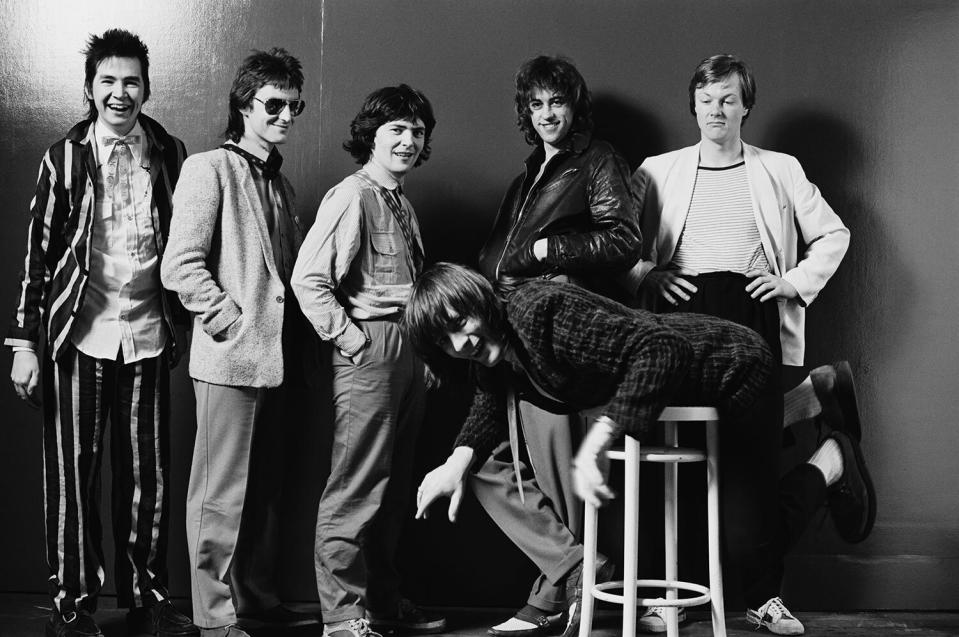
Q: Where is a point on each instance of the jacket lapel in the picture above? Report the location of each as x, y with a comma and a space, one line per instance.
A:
677, 197
766, 207
256, 210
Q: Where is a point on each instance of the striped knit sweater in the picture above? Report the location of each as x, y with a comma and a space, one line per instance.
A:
591, 352
55, 271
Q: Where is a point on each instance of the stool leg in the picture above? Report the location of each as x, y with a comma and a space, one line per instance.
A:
715, 566
589, 570
670, 534
631, 537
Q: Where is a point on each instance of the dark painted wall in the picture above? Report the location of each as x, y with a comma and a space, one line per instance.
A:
862, 92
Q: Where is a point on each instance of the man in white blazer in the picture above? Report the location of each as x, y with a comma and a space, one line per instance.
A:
233, 240
739, 232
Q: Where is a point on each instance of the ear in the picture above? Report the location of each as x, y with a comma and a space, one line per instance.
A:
87, 93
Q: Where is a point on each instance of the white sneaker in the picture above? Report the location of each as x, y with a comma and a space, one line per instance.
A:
776, 618
350, 628
654, 619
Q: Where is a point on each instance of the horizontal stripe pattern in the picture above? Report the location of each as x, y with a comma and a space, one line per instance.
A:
721, 234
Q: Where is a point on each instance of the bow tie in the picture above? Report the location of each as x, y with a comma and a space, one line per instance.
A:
126, 139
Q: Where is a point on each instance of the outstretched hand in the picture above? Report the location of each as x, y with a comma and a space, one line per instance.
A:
446, 480
591, 465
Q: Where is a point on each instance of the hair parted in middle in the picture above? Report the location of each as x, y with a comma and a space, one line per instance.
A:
275, 67
443, 294
389, 104
555, 74
718, 68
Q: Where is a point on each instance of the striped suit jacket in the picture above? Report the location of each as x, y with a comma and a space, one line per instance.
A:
57, 264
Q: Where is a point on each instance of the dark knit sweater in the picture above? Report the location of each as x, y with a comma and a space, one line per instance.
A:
588, 351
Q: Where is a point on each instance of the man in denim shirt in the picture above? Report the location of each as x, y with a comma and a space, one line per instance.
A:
352, 277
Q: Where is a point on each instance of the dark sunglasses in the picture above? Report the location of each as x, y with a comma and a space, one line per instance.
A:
275, 105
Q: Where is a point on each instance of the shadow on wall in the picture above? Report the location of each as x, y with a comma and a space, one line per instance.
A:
634, 132
846, 318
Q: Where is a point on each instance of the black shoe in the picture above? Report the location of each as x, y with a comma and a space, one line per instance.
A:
277, 617
530, 621
836, 391
852, 498
72, 624
162, 619
574, 591
409, 619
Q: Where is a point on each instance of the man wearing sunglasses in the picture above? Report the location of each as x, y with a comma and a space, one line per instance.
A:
233, 239
97, 231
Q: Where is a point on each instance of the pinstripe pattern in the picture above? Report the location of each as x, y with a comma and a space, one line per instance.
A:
82, 392
58, 242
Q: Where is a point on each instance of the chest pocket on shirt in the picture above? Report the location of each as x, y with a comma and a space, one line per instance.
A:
385, 255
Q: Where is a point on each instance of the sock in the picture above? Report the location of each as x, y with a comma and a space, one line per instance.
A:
800, 403
828, 459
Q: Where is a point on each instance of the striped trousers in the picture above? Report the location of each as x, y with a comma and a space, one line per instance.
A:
80, 394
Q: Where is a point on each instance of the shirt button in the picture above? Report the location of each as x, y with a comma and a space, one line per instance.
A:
279, 299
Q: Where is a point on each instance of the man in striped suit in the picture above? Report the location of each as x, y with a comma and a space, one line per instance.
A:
91, 283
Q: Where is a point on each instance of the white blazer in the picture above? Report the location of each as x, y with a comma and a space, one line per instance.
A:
787, 207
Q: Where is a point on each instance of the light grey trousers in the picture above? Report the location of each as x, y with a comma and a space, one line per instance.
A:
548, 527
378, 410
220, 494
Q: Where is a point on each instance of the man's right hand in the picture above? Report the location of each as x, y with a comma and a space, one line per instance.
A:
25, 375
670, 284
448, 480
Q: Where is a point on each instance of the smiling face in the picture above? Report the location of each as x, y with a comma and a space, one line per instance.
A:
551, 115
471, 339
117, 93
262, 130
397, 146
720, 111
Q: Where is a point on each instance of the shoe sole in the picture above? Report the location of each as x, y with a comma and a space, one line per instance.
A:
759, 623
844, 407
554, 626
860, 461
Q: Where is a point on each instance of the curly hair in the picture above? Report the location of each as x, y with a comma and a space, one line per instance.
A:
555, 74
389, 104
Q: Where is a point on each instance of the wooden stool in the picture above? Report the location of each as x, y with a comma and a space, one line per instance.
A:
670, 455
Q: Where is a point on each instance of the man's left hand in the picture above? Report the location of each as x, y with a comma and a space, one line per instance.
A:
766, 285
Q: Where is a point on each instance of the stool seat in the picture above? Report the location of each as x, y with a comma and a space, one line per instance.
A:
671, 455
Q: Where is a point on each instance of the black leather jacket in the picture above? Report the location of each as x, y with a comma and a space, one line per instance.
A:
582, 204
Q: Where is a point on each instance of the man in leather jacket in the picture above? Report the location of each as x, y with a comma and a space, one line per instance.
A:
566, 216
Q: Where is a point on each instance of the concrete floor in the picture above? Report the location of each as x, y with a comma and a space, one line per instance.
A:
24, 615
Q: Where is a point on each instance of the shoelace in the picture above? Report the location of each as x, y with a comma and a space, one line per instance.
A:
775, 610
361, 626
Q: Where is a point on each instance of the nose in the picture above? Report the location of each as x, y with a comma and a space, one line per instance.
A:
286, 113
458, 341
407, 138
119, 90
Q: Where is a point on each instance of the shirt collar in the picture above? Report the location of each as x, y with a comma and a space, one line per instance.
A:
101, 132
270, 168
382, 177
